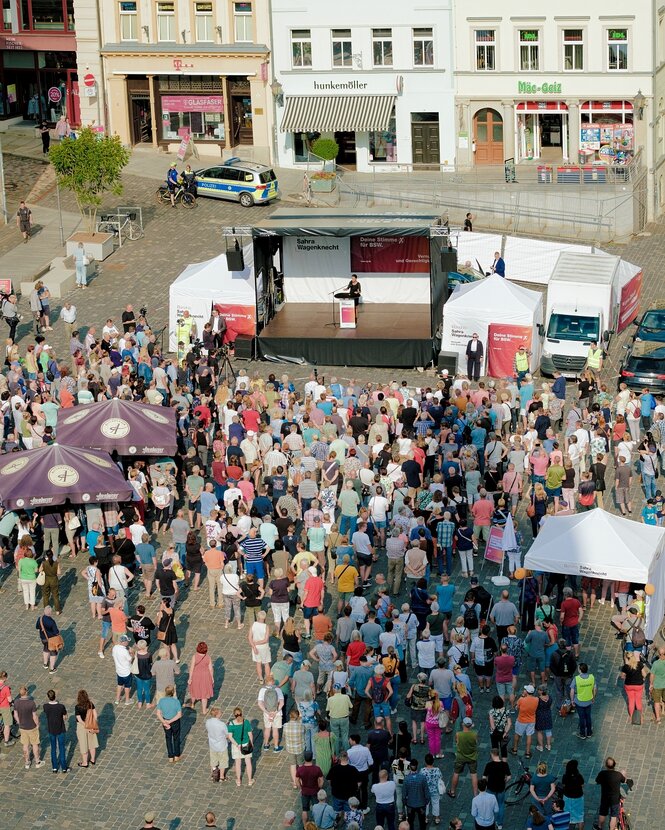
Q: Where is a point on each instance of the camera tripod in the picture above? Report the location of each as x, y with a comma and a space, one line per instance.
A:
225, 367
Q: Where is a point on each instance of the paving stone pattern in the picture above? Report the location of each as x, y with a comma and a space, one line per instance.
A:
132, 774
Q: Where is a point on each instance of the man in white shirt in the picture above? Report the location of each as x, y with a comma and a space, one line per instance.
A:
68, 317
384, 792
218, 742
123, 657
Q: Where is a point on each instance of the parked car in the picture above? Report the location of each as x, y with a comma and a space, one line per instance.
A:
644, 364
239, 181
651, 325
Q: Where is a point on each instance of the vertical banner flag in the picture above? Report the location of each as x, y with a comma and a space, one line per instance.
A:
503, 340
630, 301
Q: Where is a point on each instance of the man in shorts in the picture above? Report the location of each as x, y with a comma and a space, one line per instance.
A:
379, 690
657, 684
25, 714
526, 719
309, 779
218, 742
571, 617
271, 703
466, 755
6, 710
364, 552
609, 780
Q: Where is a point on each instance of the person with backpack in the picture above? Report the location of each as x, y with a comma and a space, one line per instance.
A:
470, 611
563, 666
379, 690
271, 703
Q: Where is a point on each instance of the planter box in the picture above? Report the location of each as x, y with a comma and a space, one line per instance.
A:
97, 246
322, 185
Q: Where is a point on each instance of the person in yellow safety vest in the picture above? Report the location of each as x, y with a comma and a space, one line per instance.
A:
521, 364
594, 360
186, 328
582, 694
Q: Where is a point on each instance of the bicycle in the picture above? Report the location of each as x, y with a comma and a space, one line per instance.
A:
182, 195
519, 789
623, 821
14, 730
117, 223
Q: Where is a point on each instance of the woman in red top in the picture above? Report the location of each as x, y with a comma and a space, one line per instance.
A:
355, 649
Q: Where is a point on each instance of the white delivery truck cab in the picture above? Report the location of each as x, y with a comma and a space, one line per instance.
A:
582, 306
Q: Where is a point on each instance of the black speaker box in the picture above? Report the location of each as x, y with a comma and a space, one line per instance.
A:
449, 260
244, 346
448, 360
235, 261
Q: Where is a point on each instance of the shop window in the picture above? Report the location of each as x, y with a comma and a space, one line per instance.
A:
485, 50
203, 22
382, 47
383, 143
166, 22
128, 21
342, 50
302, 144
301, 48
423, 47
573, 50
617, 45
200, 116
242, 22
529, 49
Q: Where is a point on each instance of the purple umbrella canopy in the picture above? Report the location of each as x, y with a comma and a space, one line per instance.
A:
54, 474
128, 427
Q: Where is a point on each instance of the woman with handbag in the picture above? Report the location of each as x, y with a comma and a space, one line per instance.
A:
52, 641
96, 592
86, 729
72, 527
242, 745
433, 709
27, 574
166, 630
49, 572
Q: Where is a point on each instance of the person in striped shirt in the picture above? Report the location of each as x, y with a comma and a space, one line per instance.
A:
254, 551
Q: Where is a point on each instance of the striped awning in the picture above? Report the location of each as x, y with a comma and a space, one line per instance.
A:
344, 113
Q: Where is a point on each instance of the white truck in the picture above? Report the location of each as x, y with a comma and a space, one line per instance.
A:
583, 297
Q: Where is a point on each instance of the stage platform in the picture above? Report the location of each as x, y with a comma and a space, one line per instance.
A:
387, 334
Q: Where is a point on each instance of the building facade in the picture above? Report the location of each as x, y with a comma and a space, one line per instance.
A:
38, 74
171, 68
555, 84
376, 77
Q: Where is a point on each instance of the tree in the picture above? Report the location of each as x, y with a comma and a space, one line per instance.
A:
90, 166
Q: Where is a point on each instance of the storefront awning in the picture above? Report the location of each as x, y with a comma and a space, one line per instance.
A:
343, 113
540, 106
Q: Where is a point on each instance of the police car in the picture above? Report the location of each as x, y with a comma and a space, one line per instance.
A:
240, 181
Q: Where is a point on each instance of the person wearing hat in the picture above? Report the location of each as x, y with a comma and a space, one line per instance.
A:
172, 182
123, 657
521, 363
466, 755
149, 821
525, 724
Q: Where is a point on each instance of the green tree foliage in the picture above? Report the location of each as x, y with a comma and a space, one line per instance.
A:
325, 148
90, 166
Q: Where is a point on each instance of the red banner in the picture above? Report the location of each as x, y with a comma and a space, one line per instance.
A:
503, 340
390, 254
493, 549
240, 319
630, 301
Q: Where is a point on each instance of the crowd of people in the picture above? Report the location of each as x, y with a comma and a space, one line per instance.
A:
340, 527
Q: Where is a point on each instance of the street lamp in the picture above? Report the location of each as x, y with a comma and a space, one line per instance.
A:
639, 104
277, 92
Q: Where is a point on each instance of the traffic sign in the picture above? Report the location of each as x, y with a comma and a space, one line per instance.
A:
89, 79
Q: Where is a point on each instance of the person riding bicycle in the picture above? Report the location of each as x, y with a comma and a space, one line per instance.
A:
188, 177
172, 182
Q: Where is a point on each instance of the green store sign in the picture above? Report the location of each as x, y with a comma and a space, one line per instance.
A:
529, 88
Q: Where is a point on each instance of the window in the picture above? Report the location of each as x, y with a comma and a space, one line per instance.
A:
6, 15
128, 21
573, 50
342, 53
382, 47
529, 49
485, 50
617, 45
165, 22
423, 47
242, 22
301, 48
43, 15
203, 22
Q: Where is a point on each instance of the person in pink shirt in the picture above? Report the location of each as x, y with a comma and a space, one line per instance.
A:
250, 419
312, 597
246, 487
539, 461
504, 664
482, 511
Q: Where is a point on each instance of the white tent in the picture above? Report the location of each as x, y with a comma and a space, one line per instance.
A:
503, 314
604, 546
204, 284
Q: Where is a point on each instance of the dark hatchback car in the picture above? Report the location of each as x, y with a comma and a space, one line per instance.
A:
644, 362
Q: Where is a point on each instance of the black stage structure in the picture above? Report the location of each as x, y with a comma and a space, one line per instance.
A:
388, 334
